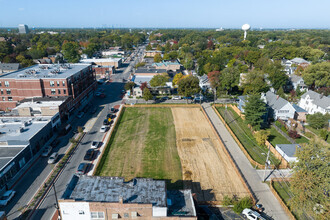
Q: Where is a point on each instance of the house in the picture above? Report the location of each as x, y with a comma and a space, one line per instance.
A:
8, 67
241, 102
173, 65
298, 82
300, 61
102, 197
291, 65
204, 83
152, 53
288, 151
314, 102
279, 108
300, 113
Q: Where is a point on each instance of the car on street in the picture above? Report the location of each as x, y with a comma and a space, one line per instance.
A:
6, 197
112, 110
252, 215
165, 98
46, 151
53, 157
80, 115
55, 143
176, 97
106, 122
89, 154
123, 91
82, 168
103, 128
94, 144
97, 94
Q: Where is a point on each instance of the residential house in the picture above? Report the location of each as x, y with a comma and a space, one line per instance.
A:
314, 102
279, 108
288, 151
298, 82
204, 83
300, 113
291, 65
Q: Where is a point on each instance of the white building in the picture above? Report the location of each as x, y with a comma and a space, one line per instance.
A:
288, 151
298, 82
314, 102
280, 108
23, 29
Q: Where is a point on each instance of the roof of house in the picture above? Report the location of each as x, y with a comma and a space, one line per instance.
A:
242, 97
294, 78
204, 79
167, 63
111, 189
288, 149
298, 109
9, 66
318, 99
299, 60
274, 101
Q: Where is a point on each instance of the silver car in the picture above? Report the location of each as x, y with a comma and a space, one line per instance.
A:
53, 158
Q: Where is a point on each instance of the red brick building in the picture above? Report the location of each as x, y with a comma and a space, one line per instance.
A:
47, 80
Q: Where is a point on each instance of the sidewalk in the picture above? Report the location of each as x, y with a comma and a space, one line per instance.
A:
261, 190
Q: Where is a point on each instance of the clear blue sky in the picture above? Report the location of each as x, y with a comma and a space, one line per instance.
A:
166, 14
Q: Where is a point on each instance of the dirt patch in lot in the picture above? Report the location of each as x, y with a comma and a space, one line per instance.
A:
206, 169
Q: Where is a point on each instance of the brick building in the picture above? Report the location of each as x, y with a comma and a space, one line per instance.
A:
48, 80
96, 197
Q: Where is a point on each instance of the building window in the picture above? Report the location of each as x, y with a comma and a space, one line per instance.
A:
3, 98
58, 83
52, 84
126, 215
21, 162
283, 111
97, 215
63, 83
64, 91
1, 91
53, 91
6, 83
8, 92
59, 91
10, 98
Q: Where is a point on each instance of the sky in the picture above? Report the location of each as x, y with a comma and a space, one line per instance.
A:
166, 13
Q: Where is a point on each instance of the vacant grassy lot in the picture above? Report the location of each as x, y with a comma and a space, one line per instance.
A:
144, 145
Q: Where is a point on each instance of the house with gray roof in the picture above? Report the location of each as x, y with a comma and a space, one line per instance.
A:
288, 151
9, 67
298, 82
314, 102
204, 82
279, 107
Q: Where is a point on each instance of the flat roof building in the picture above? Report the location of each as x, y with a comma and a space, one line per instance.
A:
88, 197
116, 62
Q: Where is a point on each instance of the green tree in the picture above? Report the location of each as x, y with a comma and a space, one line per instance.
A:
167, 47
188, 86
317, 120
159, 80
309, 183
254, 109
158, 58
280, 92
229, 78
262, 136
317, 75
70, 52
129, 86
140, 65
254, 82
91, 49
148, 47
147, 94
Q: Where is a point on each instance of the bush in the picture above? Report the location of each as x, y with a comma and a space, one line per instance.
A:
324, 134
242, 204
227, 201
294, 134
283, 129
309, 135
278, 124
317, 120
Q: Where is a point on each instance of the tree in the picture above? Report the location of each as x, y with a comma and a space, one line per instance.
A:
254, 82
317, 75
70, 52
167, 47
148, 47
140, 65
159, 80
129, 86
188, 86
144, 85
177, 78
293, 134
276, 75
280, 92
158, 58
229, 78
91, 49
261, 136
215, 79
317, 120
254, 109
309, 183
147, 94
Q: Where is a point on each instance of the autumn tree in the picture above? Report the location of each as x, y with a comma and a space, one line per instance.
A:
143, 85
262, 136
254, 110
177, 78
309, 183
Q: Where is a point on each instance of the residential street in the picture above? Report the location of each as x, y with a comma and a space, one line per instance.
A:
261, 190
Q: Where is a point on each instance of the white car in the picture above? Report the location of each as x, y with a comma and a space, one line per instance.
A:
176, 97
252, 215
103, 128
46, 151
52, 158
6, 197
95, 144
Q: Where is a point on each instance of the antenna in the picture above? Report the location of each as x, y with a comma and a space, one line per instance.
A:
245, 28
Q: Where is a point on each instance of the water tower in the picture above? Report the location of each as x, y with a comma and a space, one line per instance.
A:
245, 28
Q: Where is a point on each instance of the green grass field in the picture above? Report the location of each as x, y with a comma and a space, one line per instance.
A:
143, 145
276, 138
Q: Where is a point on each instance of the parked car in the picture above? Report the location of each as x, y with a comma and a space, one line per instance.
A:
80, 115
106, 122
89, 154
165, 98
46, 151
97, 94
53, 158
55, 143
6, 197
176, 97
252, 215
82, 168
94, 144
112, 110
103, 128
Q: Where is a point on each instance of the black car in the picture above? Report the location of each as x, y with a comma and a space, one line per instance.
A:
89, 154
112, 110
82, 168
54, 143
105, 122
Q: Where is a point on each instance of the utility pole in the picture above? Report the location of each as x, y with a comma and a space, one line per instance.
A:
56, 200
215, 95
266, 163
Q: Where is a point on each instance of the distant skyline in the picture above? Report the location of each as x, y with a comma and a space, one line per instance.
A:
166, 14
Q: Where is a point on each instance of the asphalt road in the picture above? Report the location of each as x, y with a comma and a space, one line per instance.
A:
29, 184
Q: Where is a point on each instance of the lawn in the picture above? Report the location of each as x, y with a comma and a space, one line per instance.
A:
245, 136
317, 132
276, 138
143, 145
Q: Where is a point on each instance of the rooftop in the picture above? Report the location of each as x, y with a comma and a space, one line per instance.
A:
274, 101
318, 99
299, 60
58, 71
298, 109
9, 66
141, 79
150, 70
110, 189
167, 63
7, 153
93, 60
288, 149
180, 202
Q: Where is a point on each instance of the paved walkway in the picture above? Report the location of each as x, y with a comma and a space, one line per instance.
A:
261, 190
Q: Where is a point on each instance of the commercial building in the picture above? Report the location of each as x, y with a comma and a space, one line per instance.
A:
103, 72
96, 197
8, 67
23, 29
116, 62
21, 138
48, 80
152, 53
173, 65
